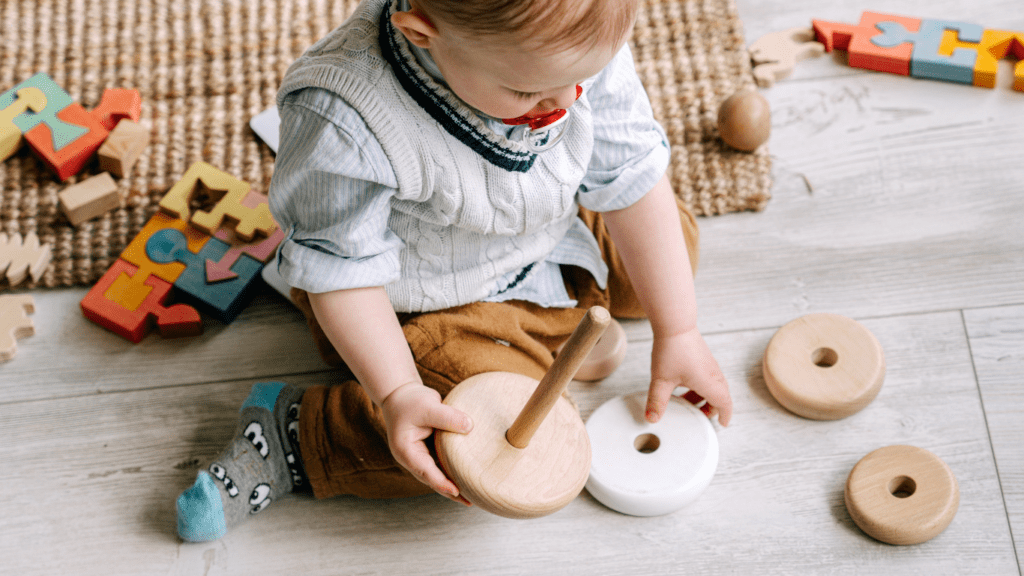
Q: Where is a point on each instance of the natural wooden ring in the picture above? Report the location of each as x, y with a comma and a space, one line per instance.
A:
606, 356
902, 495
824, 366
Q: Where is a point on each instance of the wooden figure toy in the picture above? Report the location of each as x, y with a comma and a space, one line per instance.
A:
89, 198
123, 147
902, 495
14, 323
745, 120
20, 259
774, 55
824, 366
528, 465
645, 469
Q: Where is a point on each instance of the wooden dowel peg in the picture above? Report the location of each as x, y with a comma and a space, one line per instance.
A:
583, 339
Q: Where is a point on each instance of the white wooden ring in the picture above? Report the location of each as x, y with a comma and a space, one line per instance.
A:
645, 469
824, 366
902, 495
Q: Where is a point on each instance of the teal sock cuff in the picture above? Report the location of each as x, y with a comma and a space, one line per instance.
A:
201, 512
264, 395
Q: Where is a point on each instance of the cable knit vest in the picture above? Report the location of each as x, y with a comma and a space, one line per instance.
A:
472, 206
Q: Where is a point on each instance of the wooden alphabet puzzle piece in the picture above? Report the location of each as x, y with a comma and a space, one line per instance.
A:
775, 54
22, 258
925, 60
33, 102
203, 179
995, 45
135, 252
856, 40
14, 323
123, 304
221, 297
118, 104
24, 100
63, 155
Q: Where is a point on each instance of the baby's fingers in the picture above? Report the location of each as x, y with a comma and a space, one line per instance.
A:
657, 399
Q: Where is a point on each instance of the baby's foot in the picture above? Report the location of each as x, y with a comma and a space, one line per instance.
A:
258, 466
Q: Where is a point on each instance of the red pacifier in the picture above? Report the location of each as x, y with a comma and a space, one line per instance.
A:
537, 128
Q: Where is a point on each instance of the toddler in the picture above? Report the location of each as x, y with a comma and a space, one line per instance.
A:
458, 182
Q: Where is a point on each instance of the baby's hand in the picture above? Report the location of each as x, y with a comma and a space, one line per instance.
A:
411, 413
685, 360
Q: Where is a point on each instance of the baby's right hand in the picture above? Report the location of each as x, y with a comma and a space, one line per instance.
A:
411, 413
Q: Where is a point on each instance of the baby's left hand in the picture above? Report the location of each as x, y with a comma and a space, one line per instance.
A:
685, 360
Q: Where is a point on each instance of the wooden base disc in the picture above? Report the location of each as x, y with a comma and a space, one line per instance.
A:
606, 356
500, 478
902, 495
824, 366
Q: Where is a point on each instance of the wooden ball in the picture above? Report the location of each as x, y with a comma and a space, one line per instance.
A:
606, 356
745, 120
529, 482
902, 495
824, 366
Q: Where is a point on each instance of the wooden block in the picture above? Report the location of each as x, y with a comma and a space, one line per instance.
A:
20, 259
223, 299
123, 147
857, 41
994, 46
824, 366
135, 252
14, 323
25, 99
89, 198
774, 55
203, 180
902, 495
118, 104
67, 158
105, 305
926, 61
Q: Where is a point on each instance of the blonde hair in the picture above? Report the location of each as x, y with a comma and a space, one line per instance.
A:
544, 23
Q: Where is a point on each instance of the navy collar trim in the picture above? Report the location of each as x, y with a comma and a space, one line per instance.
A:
427, 93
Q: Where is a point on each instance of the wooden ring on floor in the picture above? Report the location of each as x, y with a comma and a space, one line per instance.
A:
824, 366
902, 495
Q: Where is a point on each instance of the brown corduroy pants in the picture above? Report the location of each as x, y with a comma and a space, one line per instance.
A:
341, 433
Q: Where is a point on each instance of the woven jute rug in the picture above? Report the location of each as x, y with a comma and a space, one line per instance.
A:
205, 67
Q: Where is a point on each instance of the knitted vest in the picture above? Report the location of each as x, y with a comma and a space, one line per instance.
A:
472, 206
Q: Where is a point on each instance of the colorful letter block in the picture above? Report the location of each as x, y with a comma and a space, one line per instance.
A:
201, 179
856, 40
995, 45
925, 60
123, 304
118, 104
54, 147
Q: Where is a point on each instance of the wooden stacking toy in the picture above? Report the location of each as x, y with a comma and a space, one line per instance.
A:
607, 355
645, 469
528, 454
824, 366
902, 495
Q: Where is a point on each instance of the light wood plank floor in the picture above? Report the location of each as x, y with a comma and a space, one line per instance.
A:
912, 224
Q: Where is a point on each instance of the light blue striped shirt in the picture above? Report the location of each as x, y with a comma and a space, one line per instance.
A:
347, 235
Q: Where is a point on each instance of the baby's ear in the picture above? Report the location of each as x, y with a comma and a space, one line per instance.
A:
416, 27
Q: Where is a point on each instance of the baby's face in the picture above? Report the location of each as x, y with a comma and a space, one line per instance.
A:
506, 81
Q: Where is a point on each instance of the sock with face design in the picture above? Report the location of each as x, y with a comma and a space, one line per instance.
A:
259, 465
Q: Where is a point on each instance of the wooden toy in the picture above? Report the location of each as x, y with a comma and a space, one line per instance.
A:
902, 495
115, 304
774, 55
202, 179
14, 323
135, 252
260, 249
46, 100
995, 45
645, 469
745, 120
856, 40
25, 99
824, 366
20, 258
89, 198
123, 147
222, 298
925, 60
528, 465
118, 104
606, 356
53, 145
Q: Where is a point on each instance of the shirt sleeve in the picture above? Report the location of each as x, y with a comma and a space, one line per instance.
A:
331, 194
631, 151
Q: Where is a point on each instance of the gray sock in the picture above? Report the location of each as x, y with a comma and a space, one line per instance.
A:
259, 465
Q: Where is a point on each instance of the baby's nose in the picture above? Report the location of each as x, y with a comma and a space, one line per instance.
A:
564, 98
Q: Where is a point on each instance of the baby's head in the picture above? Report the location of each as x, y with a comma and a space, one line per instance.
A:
509, 58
